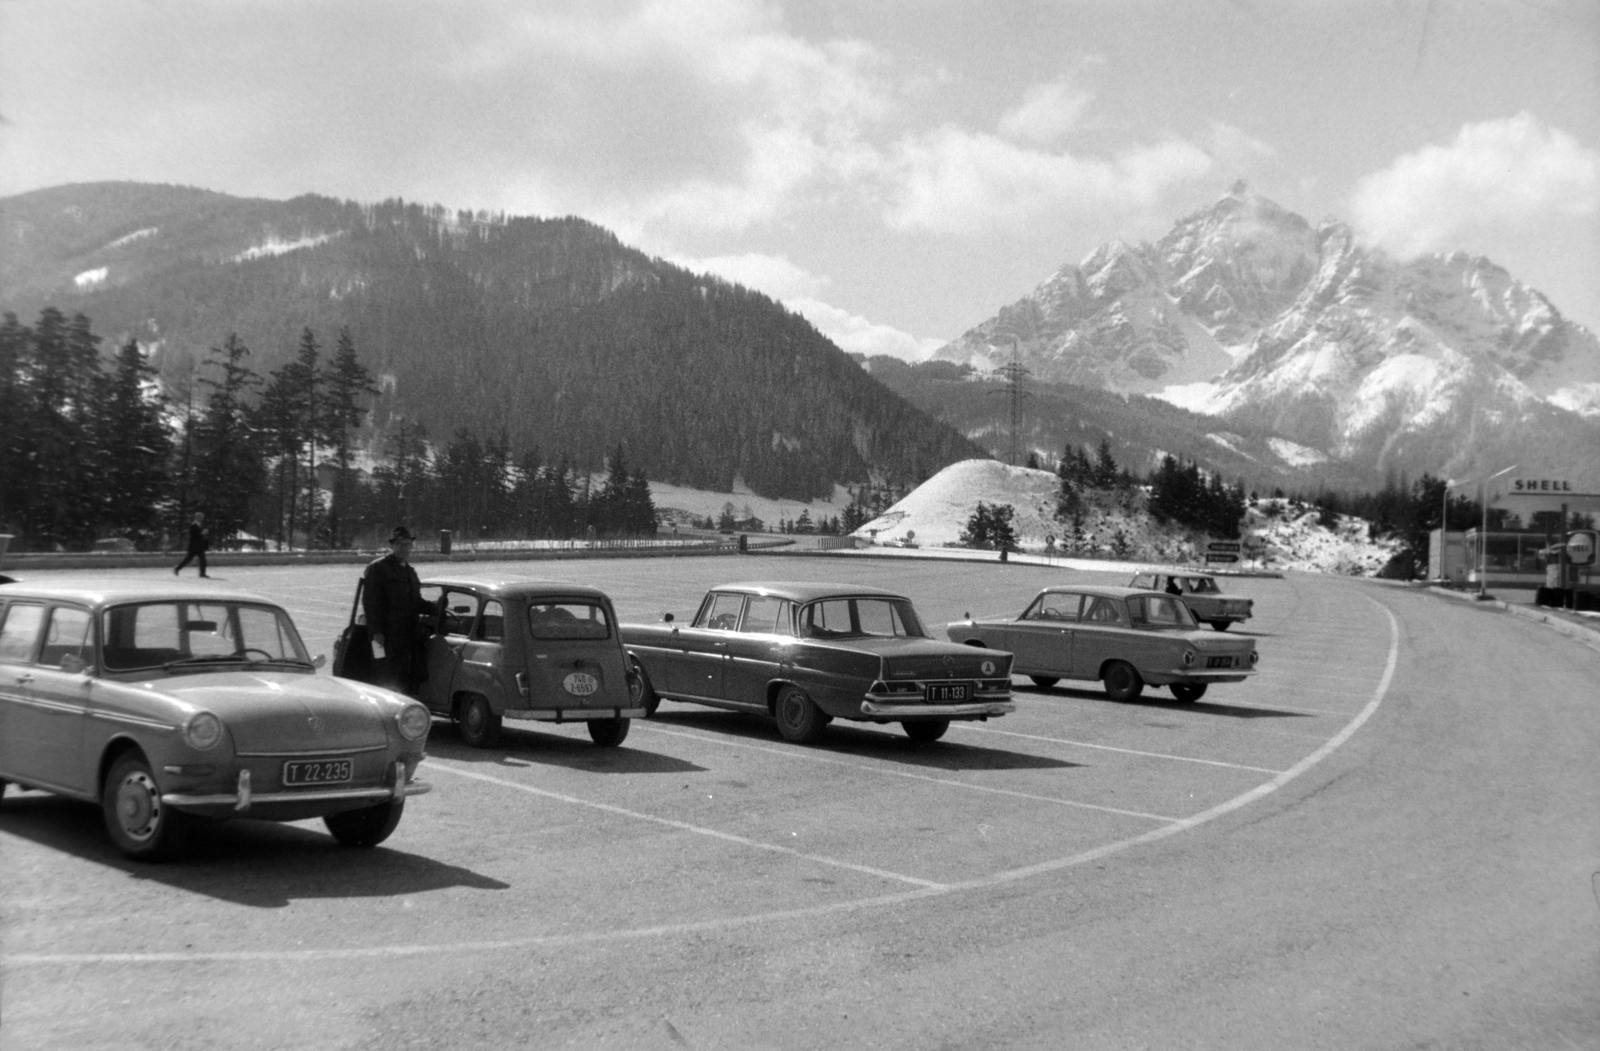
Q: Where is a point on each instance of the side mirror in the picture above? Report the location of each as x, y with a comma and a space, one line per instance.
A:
666, 618
73, 664
319, 660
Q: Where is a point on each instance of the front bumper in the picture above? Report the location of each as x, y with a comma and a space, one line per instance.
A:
572, 715
975, 709
242, 799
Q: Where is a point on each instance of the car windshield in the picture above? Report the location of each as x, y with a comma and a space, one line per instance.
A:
161, 634
568, 620
838, 618
1159, 611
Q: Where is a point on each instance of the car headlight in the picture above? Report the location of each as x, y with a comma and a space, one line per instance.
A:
1188, 657
414, 722
202, 731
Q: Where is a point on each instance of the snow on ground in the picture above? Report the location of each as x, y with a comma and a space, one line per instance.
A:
676, 504
936, 512
278, 246
1295, 454
91, 278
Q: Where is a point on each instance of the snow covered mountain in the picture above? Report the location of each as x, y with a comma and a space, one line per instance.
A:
1246, 312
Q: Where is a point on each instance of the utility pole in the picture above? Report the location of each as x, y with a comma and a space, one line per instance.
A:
1015, 373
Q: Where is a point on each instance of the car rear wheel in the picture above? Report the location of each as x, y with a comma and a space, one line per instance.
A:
608, 733
640, 693
1220, 625
1122, 681
1044, 682
925, 730
140, 824
799, 718
368, 826
480, 727
1188, 692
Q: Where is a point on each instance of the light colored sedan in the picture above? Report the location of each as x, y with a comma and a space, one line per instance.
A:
170, 704
1126, 638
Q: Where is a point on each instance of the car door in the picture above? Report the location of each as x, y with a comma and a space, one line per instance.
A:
61, 692
700, 651
352, 651
1101, 635
20, 625
457, 609
483, 651
758, 651
1042, 638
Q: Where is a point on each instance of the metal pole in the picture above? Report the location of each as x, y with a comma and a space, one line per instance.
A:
1483, 534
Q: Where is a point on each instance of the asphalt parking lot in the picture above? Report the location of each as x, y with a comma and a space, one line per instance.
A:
503, 907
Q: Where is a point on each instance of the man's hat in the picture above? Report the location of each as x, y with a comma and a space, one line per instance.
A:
400, 533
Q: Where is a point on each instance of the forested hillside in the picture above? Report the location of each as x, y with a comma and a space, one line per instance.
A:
549, 332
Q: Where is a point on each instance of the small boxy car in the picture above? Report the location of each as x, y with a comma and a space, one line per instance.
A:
810, 653
1125, 637
524, 650
1201, 594
170, 704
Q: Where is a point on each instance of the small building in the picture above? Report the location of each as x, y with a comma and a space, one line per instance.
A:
1451, 561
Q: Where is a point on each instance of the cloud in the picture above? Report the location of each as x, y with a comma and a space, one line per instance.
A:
1046, 112
1499, 174
958, 182
771, 274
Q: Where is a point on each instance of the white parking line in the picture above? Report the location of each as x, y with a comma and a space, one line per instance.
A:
813, 758
1124, 751
683, 826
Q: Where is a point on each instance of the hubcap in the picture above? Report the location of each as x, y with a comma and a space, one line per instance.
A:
138, 806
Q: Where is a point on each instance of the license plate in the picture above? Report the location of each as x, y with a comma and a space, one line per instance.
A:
947, 692
1219, 662
316, 771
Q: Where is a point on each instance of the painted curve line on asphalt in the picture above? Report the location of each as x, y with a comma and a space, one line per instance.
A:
807, 912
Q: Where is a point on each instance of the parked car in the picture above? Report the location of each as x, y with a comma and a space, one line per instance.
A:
524, 650
1201, 594
1124, 637
806, 654
169, 704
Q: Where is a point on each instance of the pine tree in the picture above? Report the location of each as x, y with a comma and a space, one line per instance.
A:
133, 445
349, 383
227, 466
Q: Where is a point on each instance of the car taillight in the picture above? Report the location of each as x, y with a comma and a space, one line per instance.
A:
1188, 657
1254, 656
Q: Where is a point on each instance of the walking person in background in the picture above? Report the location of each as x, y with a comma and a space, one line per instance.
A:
198, 542
391, 597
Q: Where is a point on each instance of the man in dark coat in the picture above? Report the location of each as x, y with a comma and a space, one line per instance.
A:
198, 542
391, 597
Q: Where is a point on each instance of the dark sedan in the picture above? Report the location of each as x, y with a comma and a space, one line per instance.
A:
807, 654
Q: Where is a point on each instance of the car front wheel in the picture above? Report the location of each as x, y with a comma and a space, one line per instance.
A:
368, 826
480, 727
925, 730
608, 733
1188, 692
799, 718
140, 824
1122, 681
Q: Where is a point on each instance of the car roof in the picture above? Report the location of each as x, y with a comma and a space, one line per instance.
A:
108, 592
1106, 590
1177, 573
805, 590
509, 587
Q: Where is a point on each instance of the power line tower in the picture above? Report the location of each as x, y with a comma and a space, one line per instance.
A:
1015, 373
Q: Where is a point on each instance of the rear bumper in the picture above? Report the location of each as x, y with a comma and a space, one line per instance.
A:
1198, 677
977, 709
572, 715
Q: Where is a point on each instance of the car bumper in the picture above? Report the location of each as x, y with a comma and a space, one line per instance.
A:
243, 800
1198, 677
572, 715
977, 709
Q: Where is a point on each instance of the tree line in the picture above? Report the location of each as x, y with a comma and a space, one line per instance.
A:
94, 448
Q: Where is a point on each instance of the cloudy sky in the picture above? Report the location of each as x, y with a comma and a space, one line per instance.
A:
896, 170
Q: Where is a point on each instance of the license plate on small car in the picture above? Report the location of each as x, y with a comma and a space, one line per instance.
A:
1219, 662
947, 692
316, 771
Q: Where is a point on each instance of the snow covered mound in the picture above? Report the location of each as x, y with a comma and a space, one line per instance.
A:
935, 513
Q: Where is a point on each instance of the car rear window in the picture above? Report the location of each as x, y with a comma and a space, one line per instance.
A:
1160, 611
568, 620
846, 617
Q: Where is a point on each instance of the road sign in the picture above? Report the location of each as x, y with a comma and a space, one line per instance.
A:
1225, 546
1221, 556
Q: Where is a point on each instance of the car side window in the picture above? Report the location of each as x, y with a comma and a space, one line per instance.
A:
1146, 580
491, 622
1103, 611
1057, 606
721, 612
65, 635
456, 612
19, 632
767, 615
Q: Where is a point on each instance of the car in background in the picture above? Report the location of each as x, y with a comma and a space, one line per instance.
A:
1201, 594
806, 654
523, 650
1126, 638
169, 705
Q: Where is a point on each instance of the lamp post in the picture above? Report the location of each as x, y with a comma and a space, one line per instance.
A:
1444, 522
1483, 534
